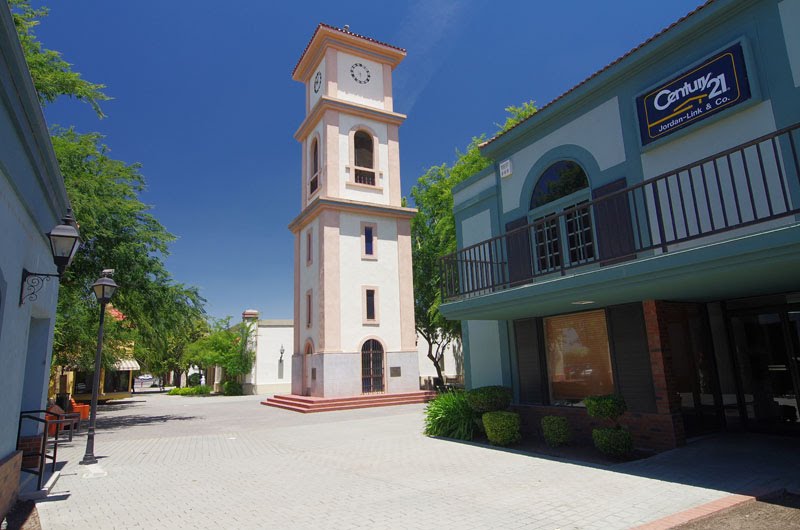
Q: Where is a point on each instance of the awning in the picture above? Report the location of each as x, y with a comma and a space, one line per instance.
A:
126, 364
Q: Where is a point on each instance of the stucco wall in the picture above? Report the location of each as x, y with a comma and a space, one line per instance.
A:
371, 93
32, 201
484, 347
380, 194
270, 374
309, 280
382, 273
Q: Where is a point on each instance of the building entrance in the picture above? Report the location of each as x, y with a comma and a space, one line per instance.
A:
372, 367
767, 351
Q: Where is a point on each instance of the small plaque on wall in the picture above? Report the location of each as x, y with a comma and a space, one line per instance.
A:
394, 371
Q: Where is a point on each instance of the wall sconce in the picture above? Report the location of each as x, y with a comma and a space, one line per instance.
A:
64, 243
282, 350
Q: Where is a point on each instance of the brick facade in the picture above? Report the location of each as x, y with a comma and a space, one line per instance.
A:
29, 445
9, 481
657, 431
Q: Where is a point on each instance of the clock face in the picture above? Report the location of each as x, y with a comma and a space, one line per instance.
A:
317, 82
360, 73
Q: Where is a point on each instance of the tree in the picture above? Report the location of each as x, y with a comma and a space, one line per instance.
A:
52, 75
226, 346
117, 229
433, 235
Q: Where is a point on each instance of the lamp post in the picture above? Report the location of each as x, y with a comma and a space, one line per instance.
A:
64, 243
103, 289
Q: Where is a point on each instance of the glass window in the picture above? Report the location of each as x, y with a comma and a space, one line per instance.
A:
309, 248
308, 309
314, 182
578, 356
559, 180
368, 241
370, 304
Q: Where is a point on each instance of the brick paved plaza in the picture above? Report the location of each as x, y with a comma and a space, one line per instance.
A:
229, 462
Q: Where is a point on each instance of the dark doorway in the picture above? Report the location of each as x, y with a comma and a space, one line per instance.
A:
767, 350
694, 368
372, 367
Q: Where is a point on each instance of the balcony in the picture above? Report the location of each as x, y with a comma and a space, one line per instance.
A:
748, 189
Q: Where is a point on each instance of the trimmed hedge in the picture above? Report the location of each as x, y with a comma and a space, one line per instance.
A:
556, 431
608, 407
450, 415
199, 390
232, 388
502, 427
489, 398
614, 441
193, 379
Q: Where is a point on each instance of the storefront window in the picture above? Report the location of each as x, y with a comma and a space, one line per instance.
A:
578, 357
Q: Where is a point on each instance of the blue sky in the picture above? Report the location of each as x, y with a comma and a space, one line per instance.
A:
203, 98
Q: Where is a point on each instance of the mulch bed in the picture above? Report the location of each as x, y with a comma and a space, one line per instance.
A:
23, 516
577, 452
781, 512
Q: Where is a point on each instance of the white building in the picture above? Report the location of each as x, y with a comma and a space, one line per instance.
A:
354, 305
273, 343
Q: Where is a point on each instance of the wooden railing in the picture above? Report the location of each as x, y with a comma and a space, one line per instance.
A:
750, 184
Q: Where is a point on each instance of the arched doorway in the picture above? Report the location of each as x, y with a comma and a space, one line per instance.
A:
372, 367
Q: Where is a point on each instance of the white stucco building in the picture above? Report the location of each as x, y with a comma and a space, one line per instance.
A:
273, 344
354, 306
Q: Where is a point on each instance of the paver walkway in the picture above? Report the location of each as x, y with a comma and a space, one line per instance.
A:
217, 462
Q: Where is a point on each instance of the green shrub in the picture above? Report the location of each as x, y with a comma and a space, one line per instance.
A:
450, 415
193, 379
608, 407
232, 388
489, 398
502, 427
614, 441
199, 390
556, 430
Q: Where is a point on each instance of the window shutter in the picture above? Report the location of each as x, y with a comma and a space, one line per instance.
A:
612, 220
518, 248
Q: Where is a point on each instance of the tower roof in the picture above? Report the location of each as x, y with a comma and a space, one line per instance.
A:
345, 39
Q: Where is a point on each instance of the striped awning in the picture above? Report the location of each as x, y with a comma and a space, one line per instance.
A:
126, 364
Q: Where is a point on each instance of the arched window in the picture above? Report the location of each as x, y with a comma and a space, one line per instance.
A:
313, 182
559, 180
562, 187
364, 158
371, 367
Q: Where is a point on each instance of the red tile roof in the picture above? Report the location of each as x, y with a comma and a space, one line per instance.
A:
345, 32
606, 67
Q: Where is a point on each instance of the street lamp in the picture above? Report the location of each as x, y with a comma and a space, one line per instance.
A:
64, 243
103, 289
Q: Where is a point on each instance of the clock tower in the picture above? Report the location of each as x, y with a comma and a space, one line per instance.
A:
353, 303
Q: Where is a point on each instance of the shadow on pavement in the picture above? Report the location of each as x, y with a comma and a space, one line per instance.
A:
130, 420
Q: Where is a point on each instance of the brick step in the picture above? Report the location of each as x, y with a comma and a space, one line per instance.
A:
330, 408
353, 399
306, 404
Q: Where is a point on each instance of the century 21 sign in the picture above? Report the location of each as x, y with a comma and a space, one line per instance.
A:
718, 83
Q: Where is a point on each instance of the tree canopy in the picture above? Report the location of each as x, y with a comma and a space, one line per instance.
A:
52, 75
433, 235
226, 346
156, 316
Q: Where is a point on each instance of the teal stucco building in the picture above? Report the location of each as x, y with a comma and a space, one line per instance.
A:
639, 235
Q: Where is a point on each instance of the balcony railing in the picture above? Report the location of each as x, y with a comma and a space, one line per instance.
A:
753, 183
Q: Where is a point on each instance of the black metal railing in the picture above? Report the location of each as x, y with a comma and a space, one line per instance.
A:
753, 183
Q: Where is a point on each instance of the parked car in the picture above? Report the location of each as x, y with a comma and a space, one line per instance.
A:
145, 377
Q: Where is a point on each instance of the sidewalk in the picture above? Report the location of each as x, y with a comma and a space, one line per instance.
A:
178, 462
